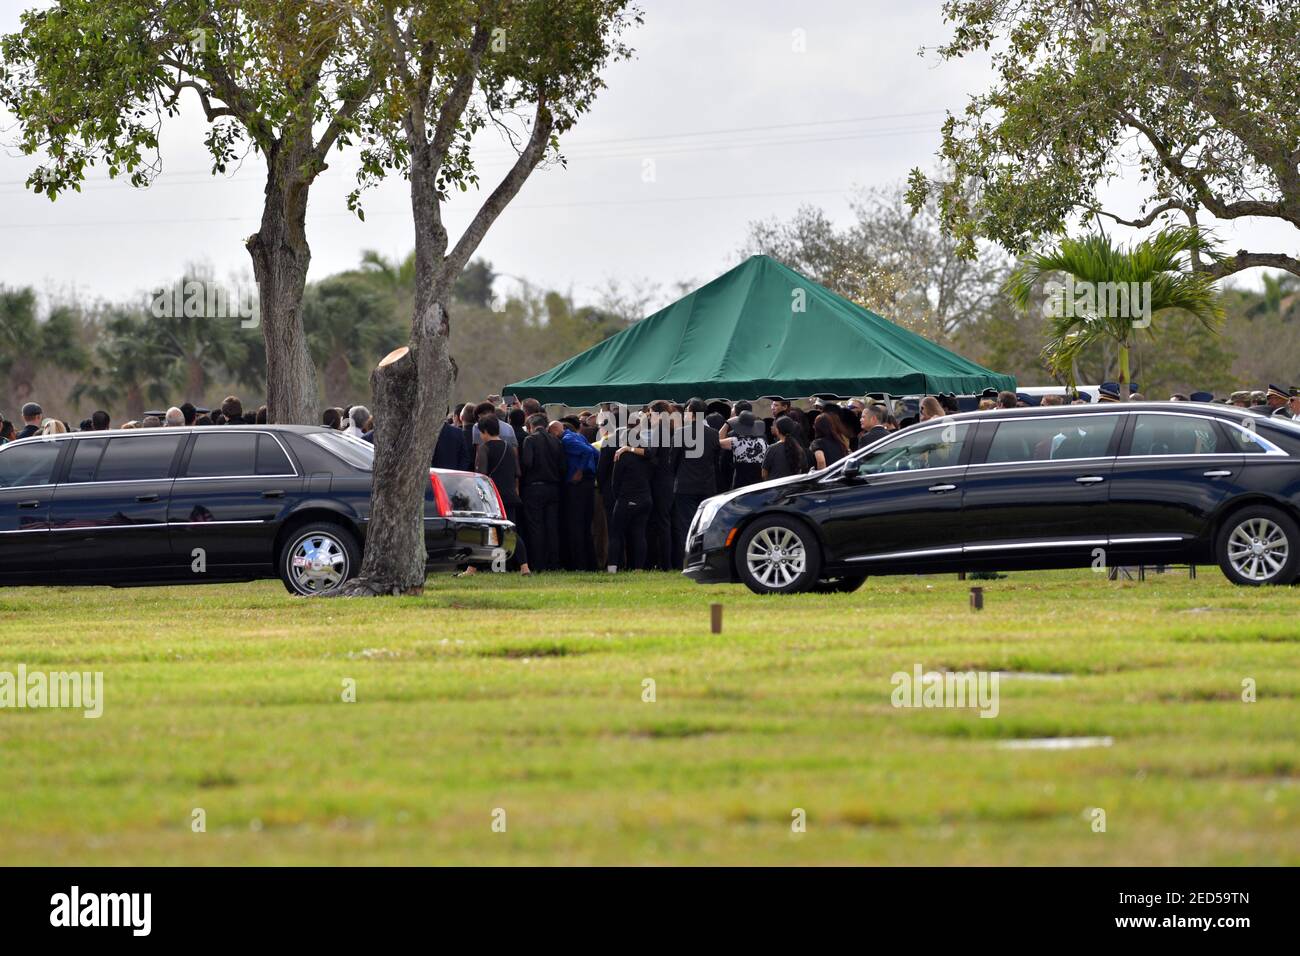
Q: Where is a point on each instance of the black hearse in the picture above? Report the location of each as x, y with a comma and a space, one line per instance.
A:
1021, 489
218, 503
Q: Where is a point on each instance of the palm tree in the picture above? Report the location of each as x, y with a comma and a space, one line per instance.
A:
350, 324
129, 367
1112, 292
27, 344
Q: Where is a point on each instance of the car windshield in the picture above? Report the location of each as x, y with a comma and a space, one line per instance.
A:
354, 451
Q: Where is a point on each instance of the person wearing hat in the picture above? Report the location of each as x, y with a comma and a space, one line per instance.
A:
1108, 392
1204, 397
1240, 398
1276, 400
32, 416
745, 439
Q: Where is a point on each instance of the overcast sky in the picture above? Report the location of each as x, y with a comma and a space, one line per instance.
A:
732, 110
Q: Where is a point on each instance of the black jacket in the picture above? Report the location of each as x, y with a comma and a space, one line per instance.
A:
633, 474
872, 436
451, 452
697, 467
541, 457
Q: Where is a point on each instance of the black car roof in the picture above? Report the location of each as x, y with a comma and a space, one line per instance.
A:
1050, 411
186, 429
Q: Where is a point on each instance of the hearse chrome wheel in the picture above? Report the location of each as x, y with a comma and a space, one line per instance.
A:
318, 558
778, 555
1259, 545
1258, 549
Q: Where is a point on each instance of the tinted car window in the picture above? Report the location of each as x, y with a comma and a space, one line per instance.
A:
470, 494
1173, 435
85, 459
137, 458
930, 448
28, 463
1243, 442
357, 453
1052, 439
223, 454
271, 459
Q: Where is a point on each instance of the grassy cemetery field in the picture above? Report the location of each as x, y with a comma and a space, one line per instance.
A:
500, 720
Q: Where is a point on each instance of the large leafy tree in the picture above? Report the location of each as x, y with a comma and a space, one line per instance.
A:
28, 344
1120, 292
93, 81
530, 68
895, 263
1200, 98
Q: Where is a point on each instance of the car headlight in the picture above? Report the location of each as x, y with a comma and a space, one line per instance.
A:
705, 513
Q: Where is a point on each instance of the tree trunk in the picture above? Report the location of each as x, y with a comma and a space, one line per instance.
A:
195, 380
394, 560
280, 257
338, 379
410, 387
134, 403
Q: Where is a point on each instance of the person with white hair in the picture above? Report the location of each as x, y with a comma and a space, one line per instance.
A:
174, 418
357, 422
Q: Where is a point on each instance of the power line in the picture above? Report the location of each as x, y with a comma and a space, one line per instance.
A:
253, 217
577, 147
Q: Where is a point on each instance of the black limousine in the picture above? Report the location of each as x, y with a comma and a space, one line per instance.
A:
1022, 489
217, 503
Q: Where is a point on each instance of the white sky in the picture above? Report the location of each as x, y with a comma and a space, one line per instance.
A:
859, 107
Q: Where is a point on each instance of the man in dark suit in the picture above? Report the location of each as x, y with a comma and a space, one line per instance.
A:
452, 451
873, 425
31, 420
542, 466
695, 472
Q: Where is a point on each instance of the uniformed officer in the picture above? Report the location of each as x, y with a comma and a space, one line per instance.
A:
1108, 392
1276, 401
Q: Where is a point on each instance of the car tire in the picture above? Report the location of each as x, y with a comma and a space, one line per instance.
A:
1259, 545
778, 555
844, 584
331, 553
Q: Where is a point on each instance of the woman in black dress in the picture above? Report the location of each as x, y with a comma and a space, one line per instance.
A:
831, 444
787, 457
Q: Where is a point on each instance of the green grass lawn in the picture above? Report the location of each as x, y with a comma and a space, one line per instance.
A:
526, 695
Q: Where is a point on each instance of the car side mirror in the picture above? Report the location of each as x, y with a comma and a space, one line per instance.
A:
851, 475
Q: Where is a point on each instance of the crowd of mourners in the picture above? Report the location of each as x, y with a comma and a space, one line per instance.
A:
586, 496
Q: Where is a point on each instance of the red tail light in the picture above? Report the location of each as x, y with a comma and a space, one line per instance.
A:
501, 505
440, 495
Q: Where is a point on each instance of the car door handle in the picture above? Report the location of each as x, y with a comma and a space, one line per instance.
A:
146, 498
1090, 479
29, 504
940, 489
1217, 474
274, 493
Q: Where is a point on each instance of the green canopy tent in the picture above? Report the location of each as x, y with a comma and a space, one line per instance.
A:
759, 330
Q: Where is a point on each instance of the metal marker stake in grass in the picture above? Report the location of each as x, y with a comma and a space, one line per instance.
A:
977, 599
715, 614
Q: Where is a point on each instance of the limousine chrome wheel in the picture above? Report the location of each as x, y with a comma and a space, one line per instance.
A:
317, 559
1259, 546
778, 556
